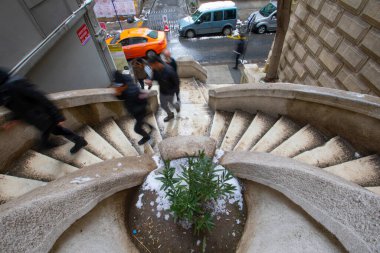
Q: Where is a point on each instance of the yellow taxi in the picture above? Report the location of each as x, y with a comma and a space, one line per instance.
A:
139, 42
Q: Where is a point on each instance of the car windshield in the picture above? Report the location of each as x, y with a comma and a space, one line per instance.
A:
196, 15
115, 39
152, 34
267, 10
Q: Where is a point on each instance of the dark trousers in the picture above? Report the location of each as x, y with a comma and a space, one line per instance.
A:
237, 60
59, 130
141, 82
177, 94
139, 125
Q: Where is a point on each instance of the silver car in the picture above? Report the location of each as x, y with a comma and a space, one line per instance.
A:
264, 20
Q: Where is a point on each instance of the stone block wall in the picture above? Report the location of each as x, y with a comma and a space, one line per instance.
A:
334, 44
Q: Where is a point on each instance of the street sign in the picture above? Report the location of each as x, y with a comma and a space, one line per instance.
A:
83, 34
103, 26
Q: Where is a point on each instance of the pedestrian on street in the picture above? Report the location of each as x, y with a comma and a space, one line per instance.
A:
31, 106
135, 101
240, 48
138, 66
172, 62
168, 81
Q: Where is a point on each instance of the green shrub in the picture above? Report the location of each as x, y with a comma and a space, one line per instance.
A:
192, 193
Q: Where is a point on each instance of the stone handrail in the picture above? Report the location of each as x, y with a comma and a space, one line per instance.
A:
340, 206
188, 67
33, 222
353, 116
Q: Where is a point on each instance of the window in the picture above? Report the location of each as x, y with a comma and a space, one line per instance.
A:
206, 17
218, 15
229, 14
268, 9
196, 15
152, 34
137, 40
124, 42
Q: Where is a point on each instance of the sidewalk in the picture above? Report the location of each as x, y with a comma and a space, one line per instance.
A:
222, 74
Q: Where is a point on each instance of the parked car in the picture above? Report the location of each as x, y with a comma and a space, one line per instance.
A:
139, 42
213, 17
264, 20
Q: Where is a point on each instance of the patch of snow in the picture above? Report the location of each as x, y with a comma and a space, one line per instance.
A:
139, 203
158, 214
152, 203
166, 216
80, 180
119, 165
114, 169
238, 221
157, 159
218, 154
97, 175
233, 234
357, 155
198, 242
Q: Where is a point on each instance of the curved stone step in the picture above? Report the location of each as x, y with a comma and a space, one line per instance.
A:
220, 124
103, 229
281, 130
364, 171
111, 132
292, 229
239, 124
305, 139
80, 159
334, 152
97, 145
127, 124
194, 119
190, 92
374, 189
34, 165
13, 187
258, 127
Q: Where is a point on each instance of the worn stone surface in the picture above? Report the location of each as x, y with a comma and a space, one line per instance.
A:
184, 146
353, 57
331, 12
345, 209
293, 229
329, 60
103, 229
33, 222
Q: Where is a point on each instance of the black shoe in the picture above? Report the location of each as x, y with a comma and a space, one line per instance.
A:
143, 140
169, 117
78, 145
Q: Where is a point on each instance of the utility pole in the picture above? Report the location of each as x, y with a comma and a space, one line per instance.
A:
117, 17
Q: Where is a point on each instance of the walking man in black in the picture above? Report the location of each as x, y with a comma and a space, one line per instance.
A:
135, 102
172, 62
240, 47
33, 107
168, 81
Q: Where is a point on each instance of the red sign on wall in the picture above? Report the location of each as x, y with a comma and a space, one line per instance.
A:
83, 34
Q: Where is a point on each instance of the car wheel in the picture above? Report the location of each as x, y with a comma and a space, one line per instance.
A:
227, 31
261, 29
190, 34
150, 53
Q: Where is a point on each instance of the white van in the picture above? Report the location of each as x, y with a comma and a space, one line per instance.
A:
214, 17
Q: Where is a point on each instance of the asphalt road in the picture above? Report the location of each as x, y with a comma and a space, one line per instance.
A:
219, 49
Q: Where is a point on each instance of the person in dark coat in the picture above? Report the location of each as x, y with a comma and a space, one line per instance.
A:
135, 102
168, 81
172, 62
31, 106
240, 48
138, 66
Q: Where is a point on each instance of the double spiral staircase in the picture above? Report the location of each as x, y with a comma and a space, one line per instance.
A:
308, 158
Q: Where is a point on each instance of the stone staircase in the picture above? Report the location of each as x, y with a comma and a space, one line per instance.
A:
237, 131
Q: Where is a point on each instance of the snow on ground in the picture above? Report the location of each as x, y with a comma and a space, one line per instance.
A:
153, 184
